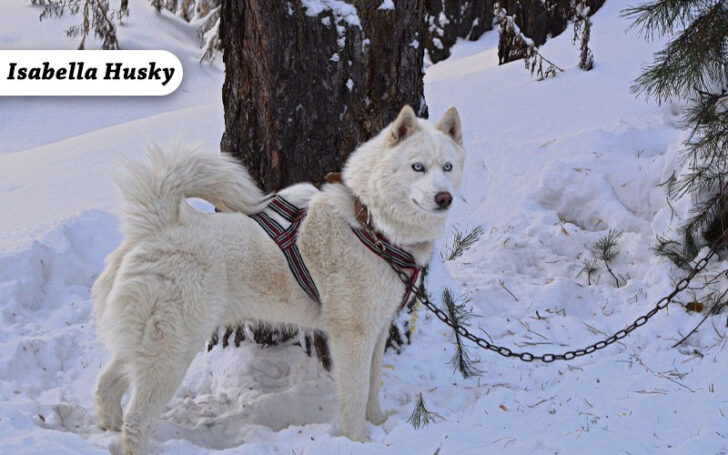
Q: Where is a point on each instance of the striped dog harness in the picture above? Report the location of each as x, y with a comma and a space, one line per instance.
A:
285, 238
399, 257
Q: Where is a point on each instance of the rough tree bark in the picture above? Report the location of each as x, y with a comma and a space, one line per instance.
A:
448, 20
538, 20
304, 87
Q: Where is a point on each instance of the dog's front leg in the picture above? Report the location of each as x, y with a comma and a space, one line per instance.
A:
352, 348
374, 411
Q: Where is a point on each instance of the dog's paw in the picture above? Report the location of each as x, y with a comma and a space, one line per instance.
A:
377, 417
133, 439
110, 416
111, 422
359, 437
356, 433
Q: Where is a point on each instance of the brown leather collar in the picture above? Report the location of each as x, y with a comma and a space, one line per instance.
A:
362, 213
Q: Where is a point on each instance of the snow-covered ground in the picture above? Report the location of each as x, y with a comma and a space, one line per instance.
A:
552, 166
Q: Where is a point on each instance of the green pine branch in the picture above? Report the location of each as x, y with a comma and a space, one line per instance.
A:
421, 416
606, 249
589, 267
462, 241
694, 60
673, 251
661, 17
460, 316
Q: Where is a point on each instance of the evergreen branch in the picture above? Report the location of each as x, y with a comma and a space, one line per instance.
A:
673, 251
421, 416
706, 214
703, 179
606, 246
662, 17
696, 58
606, 250
693, 66
709, 119
463, 241
590, 267
460, 316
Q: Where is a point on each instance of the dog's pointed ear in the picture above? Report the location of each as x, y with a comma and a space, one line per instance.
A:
403, 126
450, 125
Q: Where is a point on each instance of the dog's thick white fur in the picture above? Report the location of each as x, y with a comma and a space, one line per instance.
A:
179, 273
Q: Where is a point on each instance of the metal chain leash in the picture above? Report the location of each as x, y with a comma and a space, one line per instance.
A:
421, 295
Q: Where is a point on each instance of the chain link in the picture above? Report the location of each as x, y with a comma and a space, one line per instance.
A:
421, 295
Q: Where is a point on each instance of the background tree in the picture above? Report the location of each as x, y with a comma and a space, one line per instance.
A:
538, 20
97, 17
304, 86
100, 18
693, 67
448, 20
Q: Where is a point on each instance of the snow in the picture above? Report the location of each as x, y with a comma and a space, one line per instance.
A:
341, 10
552, 166
386, 4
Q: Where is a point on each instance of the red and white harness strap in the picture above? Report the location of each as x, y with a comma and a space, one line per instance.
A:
399, 257
285, 238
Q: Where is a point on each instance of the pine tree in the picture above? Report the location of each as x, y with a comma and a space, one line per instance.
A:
102, 17
513, 44
97, 16
693, 66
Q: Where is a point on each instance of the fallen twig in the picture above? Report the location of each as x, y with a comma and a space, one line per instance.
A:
503, 285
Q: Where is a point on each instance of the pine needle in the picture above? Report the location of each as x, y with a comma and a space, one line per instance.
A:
421, 416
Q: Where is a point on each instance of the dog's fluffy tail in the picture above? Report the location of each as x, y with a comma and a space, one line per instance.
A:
153, 191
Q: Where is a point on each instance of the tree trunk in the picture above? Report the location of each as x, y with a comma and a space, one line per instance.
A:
448, 20
302, 90
304, 87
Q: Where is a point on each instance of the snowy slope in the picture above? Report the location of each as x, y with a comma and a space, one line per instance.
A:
30, 122
552, 166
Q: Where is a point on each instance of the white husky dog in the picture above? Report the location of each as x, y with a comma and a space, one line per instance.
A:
179, 273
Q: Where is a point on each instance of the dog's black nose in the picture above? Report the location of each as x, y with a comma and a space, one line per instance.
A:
443, 199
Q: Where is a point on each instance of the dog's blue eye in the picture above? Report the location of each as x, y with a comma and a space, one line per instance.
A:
418, 167
447, 167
